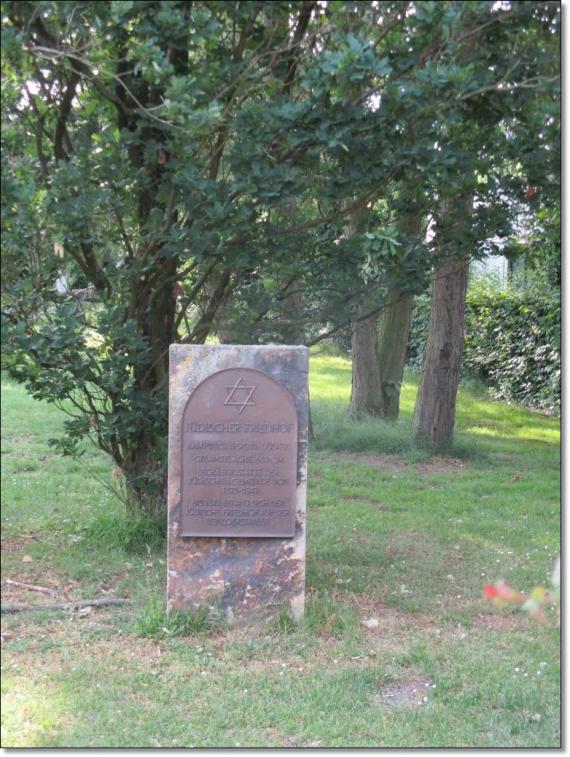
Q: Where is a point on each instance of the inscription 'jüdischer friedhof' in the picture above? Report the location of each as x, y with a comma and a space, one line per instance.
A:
239, 457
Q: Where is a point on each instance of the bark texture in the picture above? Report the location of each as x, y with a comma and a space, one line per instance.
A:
145, 479
394, 327
367, 396
434, 414
391, 355
379, 348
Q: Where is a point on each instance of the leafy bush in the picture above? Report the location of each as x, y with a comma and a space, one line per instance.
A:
512, 342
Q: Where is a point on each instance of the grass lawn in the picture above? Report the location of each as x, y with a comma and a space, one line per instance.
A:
396, 538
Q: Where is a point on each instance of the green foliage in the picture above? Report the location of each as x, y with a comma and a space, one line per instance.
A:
283, 622
324, 616
183, 167
419, 330
512, 343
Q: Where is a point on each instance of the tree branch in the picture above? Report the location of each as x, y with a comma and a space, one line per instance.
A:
534, 83
302, 25
21, 607
194, 291
218, 298
63, 115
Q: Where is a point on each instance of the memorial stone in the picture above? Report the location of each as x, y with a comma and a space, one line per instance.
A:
238, 420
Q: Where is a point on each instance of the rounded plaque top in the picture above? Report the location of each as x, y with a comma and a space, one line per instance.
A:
239, 456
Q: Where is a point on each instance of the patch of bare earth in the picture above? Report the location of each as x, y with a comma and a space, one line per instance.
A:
390, 617
412, 692
289, 742
19, 438
391, 630
506, 622
64, 645
49, 586
396, 464
10, 545
388, 629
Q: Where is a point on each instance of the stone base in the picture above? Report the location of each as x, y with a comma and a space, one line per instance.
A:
241, 576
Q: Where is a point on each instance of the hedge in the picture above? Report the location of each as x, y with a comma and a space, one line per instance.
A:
512, 342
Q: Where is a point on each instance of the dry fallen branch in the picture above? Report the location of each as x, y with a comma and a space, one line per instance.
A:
20, 607
32, 587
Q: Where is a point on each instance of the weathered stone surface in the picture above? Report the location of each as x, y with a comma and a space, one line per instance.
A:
244, 576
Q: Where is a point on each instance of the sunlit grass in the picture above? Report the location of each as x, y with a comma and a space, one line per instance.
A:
32, 712
330, 384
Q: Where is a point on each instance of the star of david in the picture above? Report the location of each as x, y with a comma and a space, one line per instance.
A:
239, 386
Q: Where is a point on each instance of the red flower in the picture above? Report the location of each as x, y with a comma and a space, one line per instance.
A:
490, 591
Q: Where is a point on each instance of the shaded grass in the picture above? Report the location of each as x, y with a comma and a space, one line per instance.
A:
409, 545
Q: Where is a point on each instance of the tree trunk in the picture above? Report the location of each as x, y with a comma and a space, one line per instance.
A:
392, 344
295, 334
226, 337
434, 414
367, 396
395, 326
146, 480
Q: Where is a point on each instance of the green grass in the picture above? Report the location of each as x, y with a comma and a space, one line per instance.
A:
394, 535
155, 622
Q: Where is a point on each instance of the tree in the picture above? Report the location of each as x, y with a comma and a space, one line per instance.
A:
434, 413
120, 149
392, 343
475, 202
394, 327
380, 333
179, 161
457, 63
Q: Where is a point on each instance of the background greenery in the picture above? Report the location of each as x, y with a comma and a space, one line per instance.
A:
512, 342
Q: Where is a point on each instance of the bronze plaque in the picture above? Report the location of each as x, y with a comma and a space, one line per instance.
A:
239, 457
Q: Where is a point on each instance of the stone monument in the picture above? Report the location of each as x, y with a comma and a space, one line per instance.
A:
237, 472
